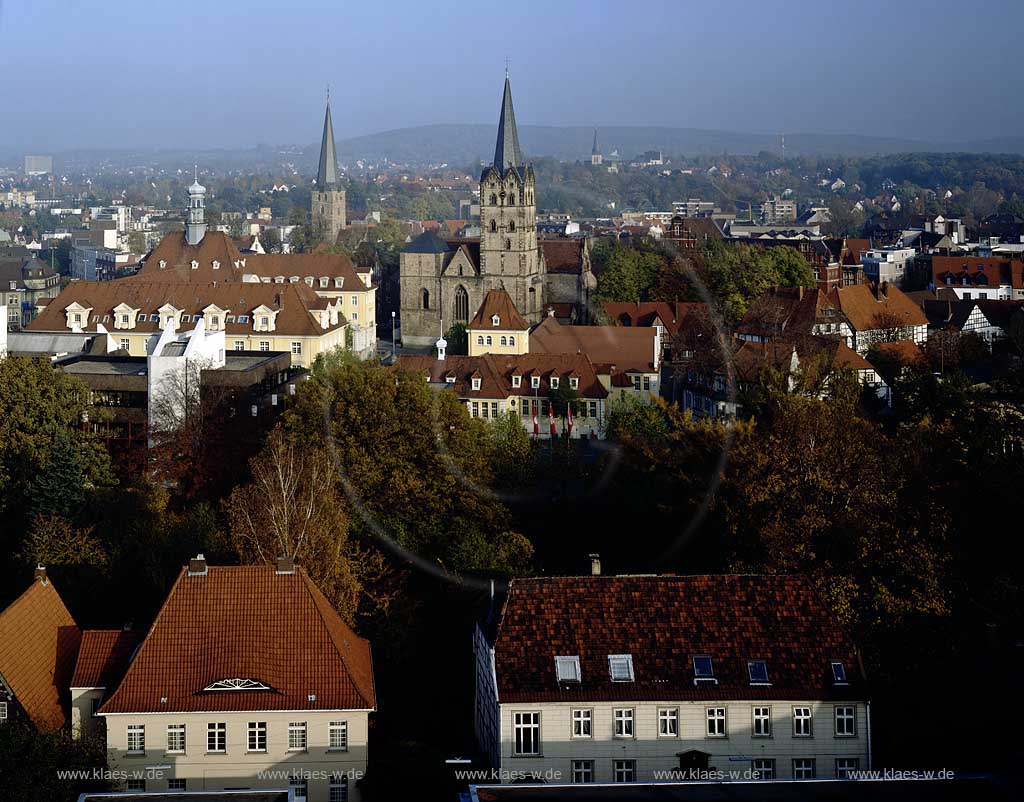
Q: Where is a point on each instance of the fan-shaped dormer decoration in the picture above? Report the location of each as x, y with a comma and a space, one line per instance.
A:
237, 684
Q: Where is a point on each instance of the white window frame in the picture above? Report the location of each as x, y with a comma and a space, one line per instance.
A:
219, 731
554, 382
265, 346
567, 668
624, 769
476, 384
301, 786
668, 722
750, 672
853, 764
623, 661
125, 343
839, 677
624, 722
761, 721
526, 733
239, 345
534, 382
177, 784
517, 382
714, 716
338, 789
847, 714
804, 766
3, 712
802, 716
710, 676
763, 766
337, 736
582, 771
574, 383
136, 739
173, 730
297, 740
582, 723
296, 348
254, 731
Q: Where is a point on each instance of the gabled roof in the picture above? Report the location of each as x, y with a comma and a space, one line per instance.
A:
978, 271
177, 255
629, 349
663, 622
863, 305
498, 302
103, 657
247, 622
38, 645
646, 313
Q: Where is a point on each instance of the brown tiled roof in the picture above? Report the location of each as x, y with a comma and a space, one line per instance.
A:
977, 271
563, 255
671, 315
663, 622
629, 349
178, 255
495, 372
247, 622
294, 300
317, 265
103, 657
906, 351
751, 358
862, 304
38, 646
788, 311
498, 302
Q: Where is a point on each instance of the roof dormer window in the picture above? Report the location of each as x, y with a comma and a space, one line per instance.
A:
517, 381
703, 670
535, 382
495, 320
839, 673
324, 281
476, 382
195, 264
567, 669
574, 383
758, 672
339, 282
620, 667
216, 265
163, 263
554, 382
450, 379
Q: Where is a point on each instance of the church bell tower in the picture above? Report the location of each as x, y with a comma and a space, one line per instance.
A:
328, 204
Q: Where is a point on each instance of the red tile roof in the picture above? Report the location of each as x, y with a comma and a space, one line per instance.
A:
563, 255
663, 621
247, 622
38, 645
977, 271
103, 657
629, 349
864, 306
671, 315
498, 302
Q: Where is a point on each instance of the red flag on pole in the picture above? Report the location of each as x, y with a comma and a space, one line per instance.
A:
570, 420
536, 423
551, 418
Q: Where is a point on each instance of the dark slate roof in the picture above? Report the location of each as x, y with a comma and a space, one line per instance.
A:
327, 173
663, 622
506, 151
428, 242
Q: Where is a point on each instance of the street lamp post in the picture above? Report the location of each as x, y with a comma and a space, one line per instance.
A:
393, 337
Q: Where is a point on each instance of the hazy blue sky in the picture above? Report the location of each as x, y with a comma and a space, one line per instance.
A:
221, 73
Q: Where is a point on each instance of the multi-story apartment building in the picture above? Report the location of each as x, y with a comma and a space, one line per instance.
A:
979, 277
248, 678
887, 265
24, 282
778, 210
636, 678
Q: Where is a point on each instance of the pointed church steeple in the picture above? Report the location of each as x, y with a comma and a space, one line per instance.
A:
506, 152
594, 149
327, 174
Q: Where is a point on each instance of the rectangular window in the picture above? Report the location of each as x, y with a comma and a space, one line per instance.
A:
764, 768
257, 736
668, 722
762, 722
136, 738
803, 768
527, 733
124, 344
476, 409
802, 722
582, 723
3, 711
844, 765
339, 789
177, 784
301, 787
214, 321
239, 345
647, 383
624, 771
620, 666
703, 669
716, 722
216, 737
297, 736
583, 771
636, 382
567, 669
338, 736
296, 348
838, 673
624, 722
135, 785
846, 722
355, 300
264, 345
175, 737
758, 672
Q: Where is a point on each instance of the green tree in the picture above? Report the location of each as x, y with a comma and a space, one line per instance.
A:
31, 764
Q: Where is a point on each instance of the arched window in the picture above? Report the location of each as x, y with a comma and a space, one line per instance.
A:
511, 340
511, 225
461, 305
508, 245
533, 299
425, 298
511, 198
504, 340
494, 225
494, 199
520, 197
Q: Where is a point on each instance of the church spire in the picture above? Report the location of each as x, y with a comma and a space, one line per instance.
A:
506, 151
594, 149
327, 174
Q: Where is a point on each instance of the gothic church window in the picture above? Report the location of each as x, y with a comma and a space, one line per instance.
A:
508, 245
494, 226
425, 299
511, 225
494, 199
461, 305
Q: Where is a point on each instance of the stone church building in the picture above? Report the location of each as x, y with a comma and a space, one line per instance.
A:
444, 281
328, 198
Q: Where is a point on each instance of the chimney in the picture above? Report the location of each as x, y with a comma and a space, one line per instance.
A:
40, 573
551, 311
285, 565
197, 566
595, 565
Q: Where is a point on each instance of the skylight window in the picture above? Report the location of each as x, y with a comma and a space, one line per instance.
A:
703, 671
758, 671
567, 669
621, 667
839, 673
